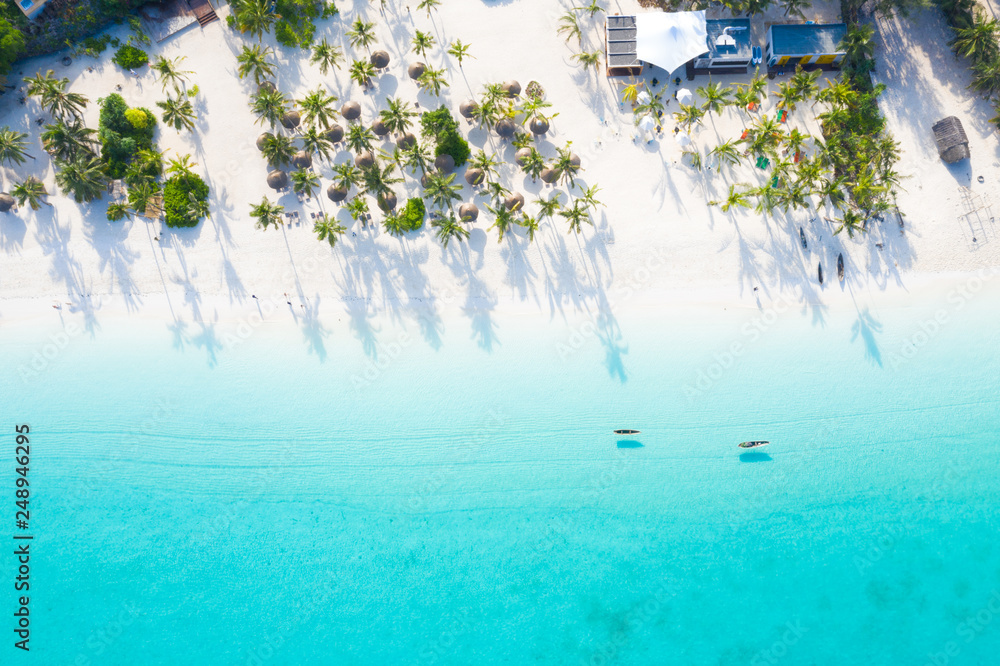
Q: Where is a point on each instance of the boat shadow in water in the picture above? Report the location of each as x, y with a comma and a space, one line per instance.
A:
629, 444
755, 456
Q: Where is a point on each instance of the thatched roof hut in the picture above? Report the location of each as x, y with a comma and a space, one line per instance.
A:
386, 202
291, 119
351, 110
266, 85
474, 176
277, 179
506, 128
521, 156
539, 125
379, 128
263, 139
512, 88
416, 69
952, 143
444, 163
468, 108
380, 59
549, 175
406, 141
6, 202
468, 212
514, 202
364, 160
302, 160
335, 193
335, 134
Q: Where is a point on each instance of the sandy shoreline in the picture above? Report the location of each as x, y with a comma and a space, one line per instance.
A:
656, 242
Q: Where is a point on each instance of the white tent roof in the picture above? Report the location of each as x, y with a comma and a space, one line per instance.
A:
670, 39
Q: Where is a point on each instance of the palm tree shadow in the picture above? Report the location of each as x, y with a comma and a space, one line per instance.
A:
866, 327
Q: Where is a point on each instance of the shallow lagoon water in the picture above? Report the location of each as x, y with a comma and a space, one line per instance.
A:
441, 502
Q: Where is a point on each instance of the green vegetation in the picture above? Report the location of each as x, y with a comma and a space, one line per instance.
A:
184, 199
292, 20
976, 38
130, 57
123, 134
11, 45
412, 217
444, 129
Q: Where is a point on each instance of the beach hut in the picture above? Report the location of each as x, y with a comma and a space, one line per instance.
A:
266, 86
468, 108
277, 179
407, 141
810, 45
664, 39
444, 163
6, 202
302, 160
263, 139
364, 160
336, 193
468, 212
521, 156
549, 175
379, 128
539, 126
386, 202
729, 48
351, 111
416, 69
291, 119
952, 143
506, 128
335, 134
474, 176
514, 202
512, 88
619, 46
380, 59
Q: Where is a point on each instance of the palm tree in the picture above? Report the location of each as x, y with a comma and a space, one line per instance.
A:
725, 153
576, 215
795, 7
736, 198
986, 76
359, 138
169, 71
459, 51
428, 5
502, 219
12, 146
196, 208
589, 197
851, 221
432, 80
267, 214
141, 198
53, 96
630, 93
254, 16
118, 210
441, 190
65, 141
795, 141
688, 116
362, 72
588, 59
570, 26
978, 42
30, 191
832, 191
178, 112
549, 207
358, 208
361, 34
83, 177
788, 96
486, 163
180, 166
530, 225
422, 42
804, 83
566, 165
326, 228
418, 156
715, 97
591, 9
758, 87
837, 92
277, 149
326, 56
345, 175
317, 108
397, 117
377, 180
305, 182
448, 229
315, 141
269, 105
857, 43
253, 60
534, 164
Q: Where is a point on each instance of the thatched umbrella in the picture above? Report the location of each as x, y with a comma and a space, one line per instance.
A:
549, 175
379, 128
335, 193
514, 202
444, 163
277, 179
364, 160
574, 159
425, 180
474, 176
263, 139
386, 201
521, 156
416, 69
539, 126
468, 108
468, 212
266, 85
512, 88
380, 59
6, 202
302, 160
406, 141
335, 134
291, 119
506, 128
351, 110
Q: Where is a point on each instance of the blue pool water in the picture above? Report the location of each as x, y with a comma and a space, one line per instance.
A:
451, 501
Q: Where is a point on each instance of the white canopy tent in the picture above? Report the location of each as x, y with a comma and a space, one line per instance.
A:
670, 39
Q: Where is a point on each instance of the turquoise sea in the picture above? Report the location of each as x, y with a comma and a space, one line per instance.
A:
448, 491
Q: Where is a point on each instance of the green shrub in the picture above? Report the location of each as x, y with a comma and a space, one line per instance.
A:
177, 204
130, 57
440, 125
120, 138
453, 144
433, 123
11, 45
412, 217
137, 118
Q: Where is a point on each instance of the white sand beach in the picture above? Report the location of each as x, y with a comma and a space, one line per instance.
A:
656, 240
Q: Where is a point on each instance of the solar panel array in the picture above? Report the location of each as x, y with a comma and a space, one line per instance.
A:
621, 41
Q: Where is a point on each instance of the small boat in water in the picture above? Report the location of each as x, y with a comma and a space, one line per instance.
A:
840, 266
821, 273
802, 237
753, 445
626, 432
